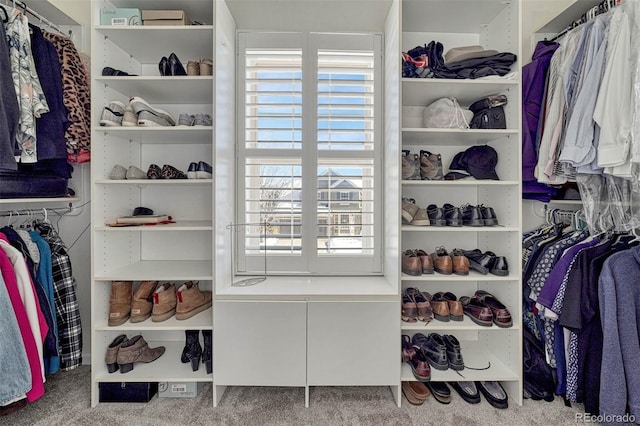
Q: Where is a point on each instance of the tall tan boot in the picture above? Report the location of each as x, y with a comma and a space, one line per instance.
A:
142, 301
191, 300
120, 302
164, 302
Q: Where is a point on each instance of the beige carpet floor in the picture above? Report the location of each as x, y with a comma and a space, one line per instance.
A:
67, 402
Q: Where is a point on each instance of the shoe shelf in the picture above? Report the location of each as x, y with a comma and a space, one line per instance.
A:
167, 368
459, 137
144, 182
165, 270
161, 135
475, 354
150, 43
423, 91
450, 326
201, 321
473, 276
180, 226
415, 228
462, 182
165, 90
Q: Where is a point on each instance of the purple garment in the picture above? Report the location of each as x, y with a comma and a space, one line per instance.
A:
50, 127
534, 77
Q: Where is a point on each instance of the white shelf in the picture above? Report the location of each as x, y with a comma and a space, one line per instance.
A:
148, 44
201, 321
423, 91
165, 90
451, 16
450, 326
414, 228
167, 368
574, 9
161, 270
460, 137
161, 135
461, 182
565, 202
159, 182
473, 276
475, 354
200, 10
38, 200
180, 226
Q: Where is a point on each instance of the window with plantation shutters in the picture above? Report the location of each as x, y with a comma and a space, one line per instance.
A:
309, 153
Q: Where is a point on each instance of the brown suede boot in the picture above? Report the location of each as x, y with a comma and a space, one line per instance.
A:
136, 350
111, 358
142, 301
191, 300
120, 302
164, 302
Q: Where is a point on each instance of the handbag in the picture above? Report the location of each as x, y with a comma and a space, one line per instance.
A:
488, 113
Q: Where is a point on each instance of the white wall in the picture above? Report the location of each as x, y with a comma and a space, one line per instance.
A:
536, 13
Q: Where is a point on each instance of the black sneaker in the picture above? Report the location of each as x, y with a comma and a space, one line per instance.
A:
454, 354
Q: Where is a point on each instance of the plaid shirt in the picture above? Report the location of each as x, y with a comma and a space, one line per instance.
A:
67, 307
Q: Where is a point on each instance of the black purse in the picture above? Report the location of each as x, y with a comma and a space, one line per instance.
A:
488, 113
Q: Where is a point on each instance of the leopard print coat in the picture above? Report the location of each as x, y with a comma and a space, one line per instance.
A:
77, 98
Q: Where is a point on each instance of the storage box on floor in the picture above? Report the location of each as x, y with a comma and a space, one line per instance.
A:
164, 17
179, 389
127, 391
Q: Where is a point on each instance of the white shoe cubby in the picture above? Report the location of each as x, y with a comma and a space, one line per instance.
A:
493, 24
176, 252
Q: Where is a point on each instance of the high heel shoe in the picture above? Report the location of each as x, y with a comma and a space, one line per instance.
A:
207, 356
163, 66
175, 66
192, 350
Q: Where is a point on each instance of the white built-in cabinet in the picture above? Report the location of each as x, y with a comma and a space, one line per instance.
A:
494, 25
296, 331
169, 253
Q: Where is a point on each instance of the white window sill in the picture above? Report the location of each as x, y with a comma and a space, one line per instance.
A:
297, 286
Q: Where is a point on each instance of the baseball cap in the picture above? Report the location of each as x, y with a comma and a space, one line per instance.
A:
479, 161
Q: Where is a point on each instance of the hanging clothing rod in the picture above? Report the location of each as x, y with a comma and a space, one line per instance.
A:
22, 5
40, 211
603, 7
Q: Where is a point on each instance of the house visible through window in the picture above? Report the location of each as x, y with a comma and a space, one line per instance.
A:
309, 153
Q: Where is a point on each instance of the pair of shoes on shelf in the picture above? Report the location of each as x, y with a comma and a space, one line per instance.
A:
450, 263
185, 302
200, 170
202, 67
485, 309
149, 116
417, 360
487, 262
123, 353
120, 173
426, 166
478, 215
416, 262
124, 304
166, 172
442, 352
447, 215
416, 306
414, 215
199, 119
193, 351
171, 66
446, 306
108, 71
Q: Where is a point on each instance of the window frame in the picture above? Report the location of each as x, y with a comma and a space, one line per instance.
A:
310, 261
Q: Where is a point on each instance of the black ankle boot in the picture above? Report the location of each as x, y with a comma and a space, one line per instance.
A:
192, 349
207, 356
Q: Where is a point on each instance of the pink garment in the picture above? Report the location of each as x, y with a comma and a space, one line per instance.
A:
28, 338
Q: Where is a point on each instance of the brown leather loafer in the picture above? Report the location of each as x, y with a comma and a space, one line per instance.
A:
501, 315
411, 263
456, 312
440, 307
415, 392
442, 262
477, 311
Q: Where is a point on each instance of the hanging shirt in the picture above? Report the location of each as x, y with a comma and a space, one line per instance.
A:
29, 92
9, 109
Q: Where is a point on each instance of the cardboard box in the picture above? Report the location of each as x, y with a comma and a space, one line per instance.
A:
120, 16
179, 389
164, 17
127, 391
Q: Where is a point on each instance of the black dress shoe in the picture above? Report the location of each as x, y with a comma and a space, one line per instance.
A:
436, 215
163, 66
494, 394
454, 354
472, 216
440, 391
489, 216
434, 348
467, 391
498, 265
453, 215
479, 261
175, 66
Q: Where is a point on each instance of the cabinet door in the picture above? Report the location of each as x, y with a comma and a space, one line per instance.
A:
353, 343
260, 343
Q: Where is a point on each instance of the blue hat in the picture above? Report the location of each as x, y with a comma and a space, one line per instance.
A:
479, 161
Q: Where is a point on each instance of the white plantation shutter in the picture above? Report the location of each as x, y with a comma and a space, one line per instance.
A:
309, 153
